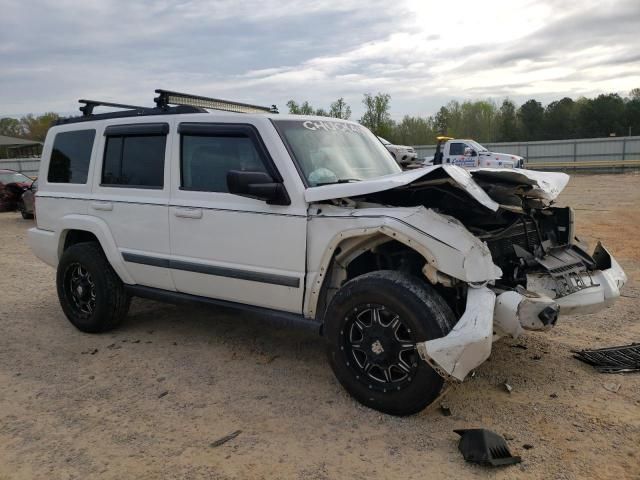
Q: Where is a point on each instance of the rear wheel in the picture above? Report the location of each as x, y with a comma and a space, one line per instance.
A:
91, 294
373, 325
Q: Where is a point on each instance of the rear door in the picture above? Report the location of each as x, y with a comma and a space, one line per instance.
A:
131, 194
227, 246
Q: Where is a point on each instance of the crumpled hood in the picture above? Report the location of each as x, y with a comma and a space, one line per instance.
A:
542, 185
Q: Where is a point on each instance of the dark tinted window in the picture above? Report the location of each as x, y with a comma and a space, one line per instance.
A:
70, 156
136, 161
457, 149
206, 160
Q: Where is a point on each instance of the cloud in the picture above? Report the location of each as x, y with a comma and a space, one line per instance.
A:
269, 51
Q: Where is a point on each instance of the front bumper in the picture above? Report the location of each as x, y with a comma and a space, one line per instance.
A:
489, 316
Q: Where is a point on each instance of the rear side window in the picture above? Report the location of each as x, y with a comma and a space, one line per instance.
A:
70, 156
205, 160
134, 160
456, 149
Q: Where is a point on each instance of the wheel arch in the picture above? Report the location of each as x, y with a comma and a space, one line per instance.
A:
345, 248
83, 228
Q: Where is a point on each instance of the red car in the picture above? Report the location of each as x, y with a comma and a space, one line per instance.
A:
12, 185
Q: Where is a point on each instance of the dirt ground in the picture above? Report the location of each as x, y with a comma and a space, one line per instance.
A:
150, 399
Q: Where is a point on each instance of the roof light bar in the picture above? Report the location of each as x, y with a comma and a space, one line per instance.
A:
166, 97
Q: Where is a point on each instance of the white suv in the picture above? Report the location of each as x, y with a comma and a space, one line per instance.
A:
410, 276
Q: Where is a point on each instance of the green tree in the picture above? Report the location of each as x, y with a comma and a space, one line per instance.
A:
560, 120
11, 127
413, 131
339, 109
507, 122
530, 120
441, 121
304, 109
376, 116
35, 128
632, 113
601, 116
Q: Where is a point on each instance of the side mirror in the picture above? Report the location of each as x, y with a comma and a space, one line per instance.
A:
257, 185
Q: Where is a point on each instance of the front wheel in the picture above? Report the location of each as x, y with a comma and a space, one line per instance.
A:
373, 324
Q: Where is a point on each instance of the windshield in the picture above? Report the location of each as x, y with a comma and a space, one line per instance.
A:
333, 152
476, 146
13, 177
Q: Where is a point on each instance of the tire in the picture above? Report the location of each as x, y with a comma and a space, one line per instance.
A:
379, 366
91, 294
23, 211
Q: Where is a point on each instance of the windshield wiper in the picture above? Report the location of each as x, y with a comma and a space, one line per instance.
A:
342, 180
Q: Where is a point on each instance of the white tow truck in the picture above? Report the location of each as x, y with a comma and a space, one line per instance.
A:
470, 154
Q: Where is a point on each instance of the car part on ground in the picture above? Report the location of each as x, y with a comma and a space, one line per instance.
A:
620, 359
485, 447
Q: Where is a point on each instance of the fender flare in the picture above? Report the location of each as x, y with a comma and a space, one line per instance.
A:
370, 236
101, 230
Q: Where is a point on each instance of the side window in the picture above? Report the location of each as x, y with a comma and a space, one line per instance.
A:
70, 156
457, 149
205, 160
134, 158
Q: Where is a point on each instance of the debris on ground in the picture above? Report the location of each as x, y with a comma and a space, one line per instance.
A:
520, 346
527, 446
91, 351
225, 439
507, 387
163, 394
625, 358
612, 387
445, 410
479, 445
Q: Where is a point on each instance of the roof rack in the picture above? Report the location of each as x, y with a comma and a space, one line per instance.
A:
184, 103
89, 105
167, 97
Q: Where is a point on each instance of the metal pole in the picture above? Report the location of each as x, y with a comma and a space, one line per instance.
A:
624, 147
575, 152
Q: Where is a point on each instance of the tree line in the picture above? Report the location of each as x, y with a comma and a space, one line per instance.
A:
482, 120
487, 121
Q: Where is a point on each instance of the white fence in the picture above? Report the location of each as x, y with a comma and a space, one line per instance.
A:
28, 166
614, 150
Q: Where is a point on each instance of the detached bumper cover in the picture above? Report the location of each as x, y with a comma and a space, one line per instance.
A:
469, 343
510, 313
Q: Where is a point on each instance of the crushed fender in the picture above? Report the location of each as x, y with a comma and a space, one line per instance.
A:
625, 358
479, 445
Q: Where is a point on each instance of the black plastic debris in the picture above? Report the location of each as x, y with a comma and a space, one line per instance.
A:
621, 359
485, 447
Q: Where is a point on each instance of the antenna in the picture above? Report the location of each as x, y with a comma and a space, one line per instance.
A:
166, 98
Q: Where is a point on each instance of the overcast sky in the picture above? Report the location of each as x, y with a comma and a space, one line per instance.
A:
422, 52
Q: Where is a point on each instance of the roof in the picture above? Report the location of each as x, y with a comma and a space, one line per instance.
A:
16, 142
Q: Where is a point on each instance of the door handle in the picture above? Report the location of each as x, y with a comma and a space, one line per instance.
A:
188, 212
106, 206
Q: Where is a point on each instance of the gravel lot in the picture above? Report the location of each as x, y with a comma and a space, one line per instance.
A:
148, 400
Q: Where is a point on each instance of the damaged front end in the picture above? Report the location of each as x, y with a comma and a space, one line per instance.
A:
546, 270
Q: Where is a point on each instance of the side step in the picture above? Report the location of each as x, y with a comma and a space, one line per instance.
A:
277, 317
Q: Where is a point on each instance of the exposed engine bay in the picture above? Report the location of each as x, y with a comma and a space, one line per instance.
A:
526, 236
